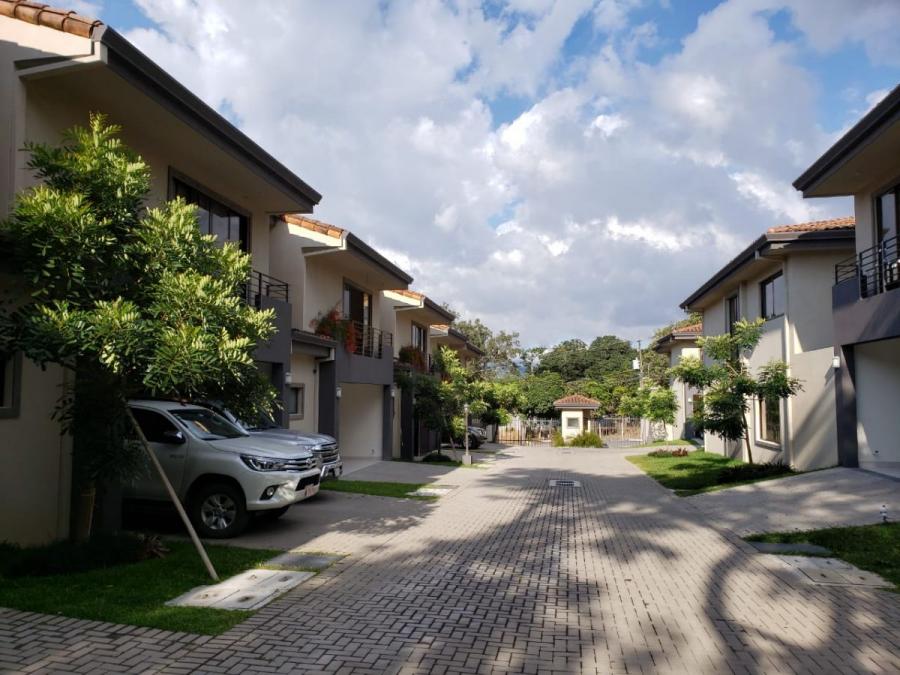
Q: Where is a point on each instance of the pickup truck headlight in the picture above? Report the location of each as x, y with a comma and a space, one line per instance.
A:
264, 463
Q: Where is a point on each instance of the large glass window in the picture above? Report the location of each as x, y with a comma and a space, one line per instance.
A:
732, 310
772, 296
418, 337
886, 214
207, 425
213, 216
770, 420
154, 425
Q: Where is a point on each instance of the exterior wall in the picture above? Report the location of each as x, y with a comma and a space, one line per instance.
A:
305, 372
324, 290
577, 415
361, 420
877, 393
803, 338
289, 264
678, 351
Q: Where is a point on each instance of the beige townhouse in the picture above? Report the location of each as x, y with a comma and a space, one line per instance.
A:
413, 314
341, 378
445, 335
676, 344
784, 277
55, 68
865, 287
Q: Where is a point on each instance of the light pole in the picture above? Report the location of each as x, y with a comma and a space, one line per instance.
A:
467, 458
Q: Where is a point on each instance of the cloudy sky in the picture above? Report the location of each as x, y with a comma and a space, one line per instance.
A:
563, 169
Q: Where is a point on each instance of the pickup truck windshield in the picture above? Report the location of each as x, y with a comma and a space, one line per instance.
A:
208, 425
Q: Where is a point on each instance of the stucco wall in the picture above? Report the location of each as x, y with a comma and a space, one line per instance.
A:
361, 420
288, 264
304, 371
877, 394
813, 440
567, 415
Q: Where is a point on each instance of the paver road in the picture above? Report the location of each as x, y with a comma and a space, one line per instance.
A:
507, 574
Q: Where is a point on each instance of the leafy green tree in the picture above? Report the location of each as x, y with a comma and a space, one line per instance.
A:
569, 359
540, 391
502, 350
658, 405
729, 385
134, 302
610, 357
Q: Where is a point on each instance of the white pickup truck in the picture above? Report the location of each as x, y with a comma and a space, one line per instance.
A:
221, 473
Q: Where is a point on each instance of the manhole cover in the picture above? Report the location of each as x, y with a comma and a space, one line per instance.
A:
565, 483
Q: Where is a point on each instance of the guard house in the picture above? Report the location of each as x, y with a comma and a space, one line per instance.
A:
575, 411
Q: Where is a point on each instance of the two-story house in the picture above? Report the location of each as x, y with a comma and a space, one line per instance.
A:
445, 335
413, 314
55, 68
784, 277
342, 366
678, 343
865, 164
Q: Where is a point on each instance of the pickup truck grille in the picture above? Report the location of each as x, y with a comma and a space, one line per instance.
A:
329, 453
300, 464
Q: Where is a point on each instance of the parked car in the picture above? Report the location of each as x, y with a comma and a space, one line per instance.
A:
475, 440
323, 446
480, 432
221, 473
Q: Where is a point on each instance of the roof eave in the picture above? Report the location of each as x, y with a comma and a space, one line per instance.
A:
887, 111
133, 65
362, 248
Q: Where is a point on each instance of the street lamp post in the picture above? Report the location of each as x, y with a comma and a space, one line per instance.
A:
467, 458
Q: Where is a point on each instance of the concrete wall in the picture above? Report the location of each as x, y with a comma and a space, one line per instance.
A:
288, 263
576, 416
678, 351
877, 394
361, 420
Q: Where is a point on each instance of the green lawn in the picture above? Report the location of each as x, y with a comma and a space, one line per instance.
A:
676, 442
875, 548
696, 473
135, 593
377, 488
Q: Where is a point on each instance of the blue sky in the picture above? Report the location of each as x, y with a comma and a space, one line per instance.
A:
558, 168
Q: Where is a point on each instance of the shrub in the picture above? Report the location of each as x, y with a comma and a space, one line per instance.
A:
437, 457
68, 557
587, 439
733, 474
670, 452
557, 439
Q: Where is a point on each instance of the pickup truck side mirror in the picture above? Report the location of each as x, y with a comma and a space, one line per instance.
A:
173, 437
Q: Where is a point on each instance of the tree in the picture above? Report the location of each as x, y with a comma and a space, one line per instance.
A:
610, 357
655, 404
501, 350
539, 392
728, 384
134, 302
569, 359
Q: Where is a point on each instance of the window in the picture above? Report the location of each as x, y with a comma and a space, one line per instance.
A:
770, 420
732, 312
886, 214
207, 425
771, 293
10, 376
153, 425
418, 338
573, 423
213, 216
295, 402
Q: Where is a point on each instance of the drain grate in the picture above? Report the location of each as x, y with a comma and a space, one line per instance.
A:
565, 483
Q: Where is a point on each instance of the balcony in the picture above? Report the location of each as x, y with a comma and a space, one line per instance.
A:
365, 340
875, 270
261, 285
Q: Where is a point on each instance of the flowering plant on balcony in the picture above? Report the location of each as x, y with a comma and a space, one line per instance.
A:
333, 325
414, 357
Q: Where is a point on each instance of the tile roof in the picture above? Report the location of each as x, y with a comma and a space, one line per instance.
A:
816, 225
415, 295
692, 328
314, 225
576, 400
41, 15
440, 326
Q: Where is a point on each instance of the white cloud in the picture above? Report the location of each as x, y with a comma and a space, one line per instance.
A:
621, 187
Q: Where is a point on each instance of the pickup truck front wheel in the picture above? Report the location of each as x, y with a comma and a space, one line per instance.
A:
218, 511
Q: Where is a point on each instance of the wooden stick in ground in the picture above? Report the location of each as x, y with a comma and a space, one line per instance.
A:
181, 512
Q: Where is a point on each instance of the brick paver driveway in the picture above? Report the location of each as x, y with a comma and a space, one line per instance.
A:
509, 575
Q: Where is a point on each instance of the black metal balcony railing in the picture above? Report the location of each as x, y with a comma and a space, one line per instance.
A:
877, 268
367, 340
261, 285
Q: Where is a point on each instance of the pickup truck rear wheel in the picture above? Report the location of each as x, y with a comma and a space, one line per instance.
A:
218, 511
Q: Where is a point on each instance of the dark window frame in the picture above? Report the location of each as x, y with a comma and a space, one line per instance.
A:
143, 414
300, 414
423, 346
763, 308
11, 368
178, 176
729, 319
368, 320
764, 426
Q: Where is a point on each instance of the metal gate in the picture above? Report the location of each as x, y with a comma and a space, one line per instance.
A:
527, 431
620, 431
